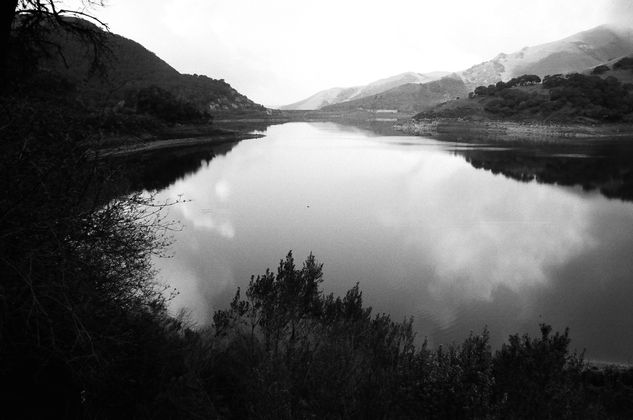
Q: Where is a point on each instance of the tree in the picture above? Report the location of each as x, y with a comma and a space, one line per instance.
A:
600, 69
481, 91
28, 21
537, 377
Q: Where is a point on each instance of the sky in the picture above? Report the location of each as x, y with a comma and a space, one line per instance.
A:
281, 51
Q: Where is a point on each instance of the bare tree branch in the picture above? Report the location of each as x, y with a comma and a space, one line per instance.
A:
32, 21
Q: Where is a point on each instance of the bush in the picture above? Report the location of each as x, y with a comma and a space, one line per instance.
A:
570, 96
538, 378
287, 350
600, 69
624, 64
325, 356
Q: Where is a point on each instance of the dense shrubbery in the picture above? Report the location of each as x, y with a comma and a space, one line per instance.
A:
285, 350
570, 96
624, 64
525, 80
80, 316
509, 102
600, 69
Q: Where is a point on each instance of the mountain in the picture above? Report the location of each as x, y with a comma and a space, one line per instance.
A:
412, 97
127, 66
321, 99
576, 53
601, 94
338, 95
572, 54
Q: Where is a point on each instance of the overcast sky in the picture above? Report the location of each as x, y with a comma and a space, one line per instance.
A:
281, 51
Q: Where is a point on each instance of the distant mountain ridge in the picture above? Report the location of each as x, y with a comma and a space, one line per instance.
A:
337, 95
575, 53
130, 67
411, 97
572, 54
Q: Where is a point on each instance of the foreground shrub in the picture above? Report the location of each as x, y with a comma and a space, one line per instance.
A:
538, 377
303, 353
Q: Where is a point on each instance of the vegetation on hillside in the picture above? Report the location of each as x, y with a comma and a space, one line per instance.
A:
130, 68
571, 97
105, 68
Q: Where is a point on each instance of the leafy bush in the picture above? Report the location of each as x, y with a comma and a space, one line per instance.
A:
624, 64
538, 377
286, 350
570, 96
309, 354
491, 90
600, 69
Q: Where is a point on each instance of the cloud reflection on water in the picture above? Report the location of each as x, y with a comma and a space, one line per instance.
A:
423, 232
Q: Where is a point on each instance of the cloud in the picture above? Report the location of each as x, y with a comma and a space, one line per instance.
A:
621, 12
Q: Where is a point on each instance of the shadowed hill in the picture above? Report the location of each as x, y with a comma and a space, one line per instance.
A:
128, 67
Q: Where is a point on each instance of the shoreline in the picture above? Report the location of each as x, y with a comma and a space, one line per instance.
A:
511, 130
144, 146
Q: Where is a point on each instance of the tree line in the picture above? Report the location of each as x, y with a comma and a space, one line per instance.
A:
566, 97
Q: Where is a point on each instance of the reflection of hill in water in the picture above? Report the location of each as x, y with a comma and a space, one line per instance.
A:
606, 166
159, 169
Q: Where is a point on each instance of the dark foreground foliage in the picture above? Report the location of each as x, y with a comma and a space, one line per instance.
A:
285, 350
80, 315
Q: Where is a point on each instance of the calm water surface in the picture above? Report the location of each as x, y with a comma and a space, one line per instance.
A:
431, 229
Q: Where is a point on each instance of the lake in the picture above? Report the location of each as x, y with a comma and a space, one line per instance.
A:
457, 235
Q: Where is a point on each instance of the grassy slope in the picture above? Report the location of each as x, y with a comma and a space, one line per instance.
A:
130, 67
412, 97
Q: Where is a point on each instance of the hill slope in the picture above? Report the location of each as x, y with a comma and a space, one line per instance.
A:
129, 67
575, 53
578, 52
602, 94
412, 97
338, 95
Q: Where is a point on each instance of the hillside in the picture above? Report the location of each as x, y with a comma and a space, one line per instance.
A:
572, 54
129, 67
601, 94
584, 50
337, 95
412, 97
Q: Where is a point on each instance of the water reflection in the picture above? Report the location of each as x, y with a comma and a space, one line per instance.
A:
156, 170
422, 230
606, 166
